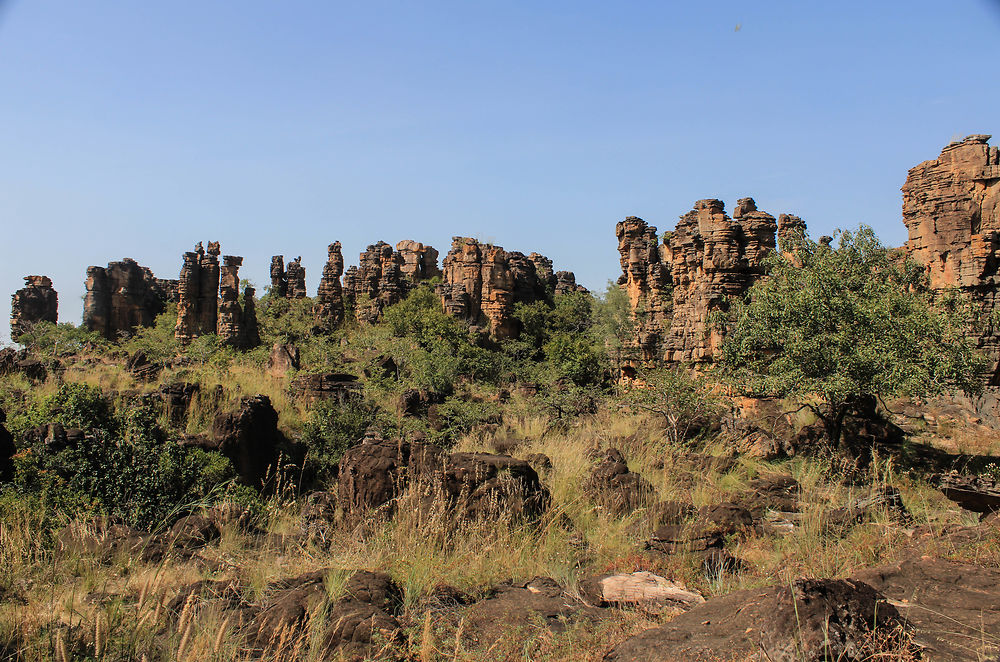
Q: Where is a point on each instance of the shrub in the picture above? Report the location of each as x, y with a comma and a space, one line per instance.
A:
331, 428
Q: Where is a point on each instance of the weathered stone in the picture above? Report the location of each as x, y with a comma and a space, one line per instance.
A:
385, 276
198, 293
329, 308
237, 325
325, 386
372, 475
123, 296
283, 358
980, 494
711, 258
951, 208
482, 283
177, 398
418, 262
566, 283
637, 588
673, 287
33, 303
812, 619
250, 439
279, 281
614, 487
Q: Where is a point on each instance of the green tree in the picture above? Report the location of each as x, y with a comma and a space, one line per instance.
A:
835, 326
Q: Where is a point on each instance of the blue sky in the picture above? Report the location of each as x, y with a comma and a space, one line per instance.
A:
139, 128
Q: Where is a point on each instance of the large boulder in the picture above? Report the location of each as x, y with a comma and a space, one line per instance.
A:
614, 487
812, 620
373, 474
250, 439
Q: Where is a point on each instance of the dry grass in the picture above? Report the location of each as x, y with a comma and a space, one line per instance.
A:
71, 604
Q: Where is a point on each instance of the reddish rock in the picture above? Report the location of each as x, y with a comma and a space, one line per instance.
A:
481, 284
33, 303
198, 293
951, 208
329, 308
673, 287
237, 325
122, 297
385, 276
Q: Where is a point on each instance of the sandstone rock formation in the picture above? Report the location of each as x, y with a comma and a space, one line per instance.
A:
481, 284
250, 439
374, 474
237, 325
329, 309
288, 282
385, 276
419, 262
123, 296
35, 302
198, 293
951, 208
673, 287
279, 281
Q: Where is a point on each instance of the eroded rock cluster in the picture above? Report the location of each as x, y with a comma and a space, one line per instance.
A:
237, 324
674, 286
329, 307
124, 296
35, 302
951, 208
481, 284
288, 282
198, 293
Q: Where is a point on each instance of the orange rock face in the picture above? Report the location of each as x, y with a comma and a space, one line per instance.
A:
951, 208
385, 276
482, 283
675, 286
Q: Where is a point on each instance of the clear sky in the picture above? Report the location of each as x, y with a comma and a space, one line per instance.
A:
140, 128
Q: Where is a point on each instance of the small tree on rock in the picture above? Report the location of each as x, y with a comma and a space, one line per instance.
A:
835, 326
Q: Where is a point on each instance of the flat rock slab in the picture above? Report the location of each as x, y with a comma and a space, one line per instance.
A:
953, 607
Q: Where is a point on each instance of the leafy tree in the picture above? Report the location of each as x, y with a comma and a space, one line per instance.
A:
331, 428
681, 399
835, 326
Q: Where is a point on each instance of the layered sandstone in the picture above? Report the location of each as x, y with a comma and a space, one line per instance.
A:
33, 303
951, 208
675, 286
122, 297
646, 279
482, 283
198, 293
237, 324
385, 276
329, 308
288, 282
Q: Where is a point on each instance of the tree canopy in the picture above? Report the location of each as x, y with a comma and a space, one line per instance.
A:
832, 325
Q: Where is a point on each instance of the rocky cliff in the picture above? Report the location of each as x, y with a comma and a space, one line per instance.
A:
481, 284
951, 208
385, 276
237, 324
290, 282
123, 296
35, 302
674, 287
198, 293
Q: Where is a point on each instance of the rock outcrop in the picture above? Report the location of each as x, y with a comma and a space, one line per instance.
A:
385, 276
35, 302
237, 324
951, 208
373, 474
251, 440
124, 296
673, 287
288, 282
481, 284
198, 293
7, 450
329, 308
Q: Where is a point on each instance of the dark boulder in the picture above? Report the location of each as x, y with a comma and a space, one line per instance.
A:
811, 620
177, 398
283, 359
614, 487
251, 440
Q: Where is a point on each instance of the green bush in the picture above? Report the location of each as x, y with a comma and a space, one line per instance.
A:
457, 416
157, 342
331, 428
